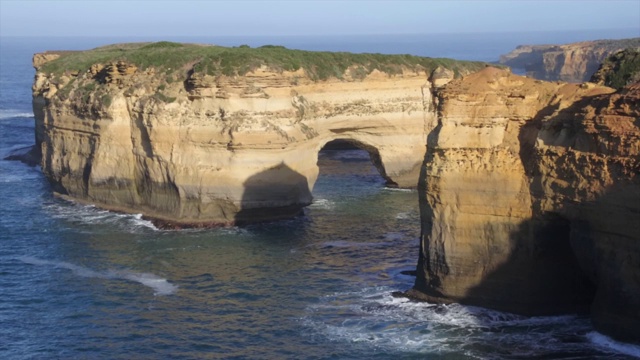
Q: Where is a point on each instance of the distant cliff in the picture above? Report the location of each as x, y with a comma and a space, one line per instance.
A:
574, 62
530, 199
195, 135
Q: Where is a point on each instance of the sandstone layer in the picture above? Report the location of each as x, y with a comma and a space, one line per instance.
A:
194, 147
530, 199
574, 62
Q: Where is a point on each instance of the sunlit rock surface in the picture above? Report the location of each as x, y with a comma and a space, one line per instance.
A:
530, 199
192, 148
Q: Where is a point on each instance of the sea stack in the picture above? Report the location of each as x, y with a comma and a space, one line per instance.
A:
530, 199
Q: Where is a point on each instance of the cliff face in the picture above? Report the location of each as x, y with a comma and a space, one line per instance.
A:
194, 148
530, 199
588, 171
574, 62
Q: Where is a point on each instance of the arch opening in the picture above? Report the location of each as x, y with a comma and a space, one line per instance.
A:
357, 148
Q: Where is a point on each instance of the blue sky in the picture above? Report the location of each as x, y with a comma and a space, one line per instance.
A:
222, 18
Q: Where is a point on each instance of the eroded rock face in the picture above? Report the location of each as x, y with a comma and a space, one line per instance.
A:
530, 199
210, 150
574, 62
587, 169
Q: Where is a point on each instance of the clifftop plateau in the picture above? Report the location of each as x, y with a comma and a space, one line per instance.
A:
574, 62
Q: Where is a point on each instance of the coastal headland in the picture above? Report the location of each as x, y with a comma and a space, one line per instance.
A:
529, 190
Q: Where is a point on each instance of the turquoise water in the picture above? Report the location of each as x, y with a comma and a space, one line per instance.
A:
80, 282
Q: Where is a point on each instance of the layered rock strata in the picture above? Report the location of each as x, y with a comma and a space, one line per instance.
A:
530, 199
191, 148
574, 62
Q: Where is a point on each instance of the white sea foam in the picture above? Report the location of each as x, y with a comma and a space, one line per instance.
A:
76, 269
91, 215
374, 317
398, 189
12, 114
160, 285
606, 343
322, 204
138, 220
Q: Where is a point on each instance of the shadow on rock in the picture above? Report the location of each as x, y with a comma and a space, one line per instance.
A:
276, 193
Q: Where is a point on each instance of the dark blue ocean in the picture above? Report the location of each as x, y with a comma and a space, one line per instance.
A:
78, 282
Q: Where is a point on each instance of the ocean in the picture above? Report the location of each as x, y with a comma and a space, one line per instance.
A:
78, 282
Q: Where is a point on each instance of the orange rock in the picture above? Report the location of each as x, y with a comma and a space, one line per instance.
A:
531, 199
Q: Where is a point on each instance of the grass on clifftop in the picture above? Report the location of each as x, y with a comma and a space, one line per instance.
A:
216, 60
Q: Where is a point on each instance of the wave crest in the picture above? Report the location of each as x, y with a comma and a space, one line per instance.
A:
14, 114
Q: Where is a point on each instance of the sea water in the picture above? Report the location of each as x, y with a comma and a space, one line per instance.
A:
77, 281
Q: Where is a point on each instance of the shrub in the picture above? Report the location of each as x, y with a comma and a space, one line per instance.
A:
106, 100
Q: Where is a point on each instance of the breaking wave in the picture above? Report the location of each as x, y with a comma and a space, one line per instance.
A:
608, 344
92, 215
322, 204
398, 189
14, 114
372, 317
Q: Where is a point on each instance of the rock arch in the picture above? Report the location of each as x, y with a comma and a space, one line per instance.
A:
374, 155
217, 154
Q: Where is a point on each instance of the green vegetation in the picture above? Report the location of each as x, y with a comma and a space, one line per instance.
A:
216, 60
619, 69
85, 91
106, 100
618, 44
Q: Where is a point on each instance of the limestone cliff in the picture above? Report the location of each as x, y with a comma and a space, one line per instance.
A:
530, 199
201, 135
574, 62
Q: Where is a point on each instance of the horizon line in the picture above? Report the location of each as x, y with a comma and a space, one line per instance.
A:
328, 35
